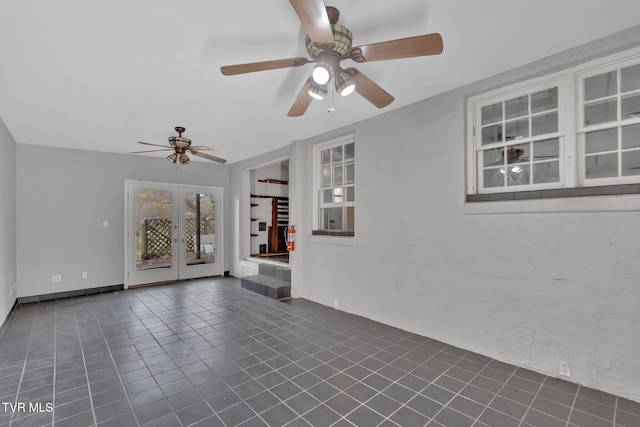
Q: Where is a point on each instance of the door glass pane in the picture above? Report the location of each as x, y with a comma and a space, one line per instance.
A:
516, 107
492, 113
630, 78
153, 229
600, 86
630, 106
544, 100
602, 140
631, 136
601, 165
546, 172
600, 112
547, 123
200, 238
631, 163
517, 129
491, 134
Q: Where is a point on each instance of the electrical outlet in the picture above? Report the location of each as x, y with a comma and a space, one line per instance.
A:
84, 275
105, 223
565, 368
56, 278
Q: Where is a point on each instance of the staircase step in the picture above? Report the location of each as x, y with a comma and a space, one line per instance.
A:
267, 286
275, 271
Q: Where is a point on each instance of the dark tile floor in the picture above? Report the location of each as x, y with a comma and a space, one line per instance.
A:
209, 353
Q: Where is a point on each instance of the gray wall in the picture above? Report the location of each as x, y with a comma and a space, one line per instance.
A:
64, 195
7, 221
529, 289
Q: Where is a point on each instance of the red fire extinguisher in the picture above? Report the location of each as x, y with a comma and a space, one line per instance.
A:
291, 234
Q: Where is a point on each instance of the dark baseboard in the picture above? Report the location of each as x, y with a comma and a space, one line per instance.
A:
69, 294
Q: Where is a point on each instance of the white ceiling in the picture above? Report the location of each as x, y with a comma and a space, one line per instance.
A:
101, 75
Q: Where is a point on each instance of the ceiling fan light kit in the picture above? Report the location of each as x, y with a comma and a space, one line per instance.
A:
328, 44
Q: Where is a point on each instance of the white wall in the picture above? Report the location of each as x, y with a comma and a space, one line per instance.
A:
64, 195
7, 222
528, 289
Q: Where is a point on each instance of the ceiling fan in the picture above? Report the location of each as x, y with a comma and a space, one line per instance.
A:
329, 44
181, 145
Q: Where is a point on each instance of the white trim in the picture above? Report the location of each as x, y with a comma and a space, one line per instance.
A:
622, 203
571, 129
331, 240
317, 175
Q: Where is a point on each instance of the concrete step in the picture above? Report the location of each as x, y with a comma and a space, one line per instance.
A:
267, 286
275, 271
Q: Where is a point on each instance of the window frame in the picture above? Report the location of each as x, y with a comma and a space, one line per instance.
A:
318, 186
571, 129
619, 123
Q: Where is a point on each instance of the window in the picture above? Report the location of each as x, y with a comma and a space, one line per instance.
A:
610, 124
334, 186
578, 128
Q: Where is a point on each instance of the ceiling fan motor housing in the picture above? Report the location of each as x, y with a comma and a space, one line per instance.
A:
342, 36
179, 142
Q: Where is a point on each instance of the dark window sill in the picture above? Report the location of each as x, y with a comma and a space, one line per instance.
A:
607, 190
332, 233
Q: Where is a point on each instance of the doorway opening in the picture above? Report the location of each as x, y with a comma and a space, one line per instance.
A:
269, 213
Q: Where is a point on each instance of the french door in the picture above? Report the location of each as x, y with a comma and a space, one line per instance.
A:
173, 232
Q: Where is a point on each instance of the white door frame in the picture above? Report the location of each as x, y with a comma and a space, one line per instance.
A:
176, 271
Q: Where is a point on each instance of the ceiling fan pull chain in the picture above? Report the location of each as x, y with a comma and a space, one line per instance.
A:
331, 89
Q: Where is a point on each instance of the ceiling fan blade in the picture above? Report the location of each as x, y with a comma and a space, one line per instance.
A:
302, 102
230, 70
207, 156
370, 90
314, 18
429, 44
150, 151
155, 145
200, 148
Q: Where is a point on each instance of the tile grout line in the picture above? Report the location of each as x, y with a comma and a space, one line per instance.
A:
458, 393
55, 353
115, 365
573, 404
24, 366
497, 394
86, 373
535, 396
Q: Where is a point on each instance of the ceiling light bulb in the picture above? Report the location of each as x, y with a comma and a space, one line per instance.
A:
321, 74
348, 90
184, 160
317, 91
344, 84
